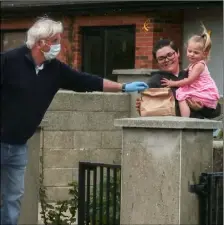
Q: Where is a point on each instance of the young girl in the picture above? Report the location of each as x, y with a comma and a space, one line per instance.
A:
199, 86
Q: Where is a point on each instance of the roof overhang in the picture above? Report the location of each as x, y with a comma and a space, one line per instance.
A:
23, 9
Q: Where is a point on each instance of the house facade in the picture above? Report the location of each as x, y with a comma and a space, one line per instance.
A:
100, 37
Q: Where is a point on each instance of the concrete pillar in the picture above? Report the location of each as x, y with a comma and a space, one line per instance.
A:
161, 157
29, 210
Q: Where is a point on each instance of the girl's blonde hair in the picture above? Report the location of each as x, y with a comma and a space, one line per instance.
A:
204, 39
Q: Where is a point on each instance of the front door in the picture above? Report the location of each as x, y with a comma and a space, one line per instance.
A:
108, 48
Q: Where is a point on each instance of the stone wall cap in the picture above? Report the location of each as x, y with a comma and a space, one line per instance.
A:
90, 93
168, 122
218, 144
43, 123
143, 71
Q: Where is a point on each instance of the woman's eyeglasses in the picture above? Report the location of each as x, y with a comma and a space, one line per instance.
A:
169, 56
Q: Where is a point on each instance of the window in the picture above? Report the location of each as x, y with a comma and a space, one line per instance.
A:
108, 48
12, 39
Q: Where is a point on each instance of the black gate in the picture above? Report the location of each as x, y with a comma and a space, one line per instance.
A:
99, 194
210, 193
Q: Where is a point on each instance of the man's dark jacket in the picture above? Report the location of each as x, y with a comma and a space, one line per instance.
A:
26, 94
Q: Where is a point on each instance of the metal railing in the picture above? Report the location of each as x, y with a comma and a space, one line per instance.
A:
210, 193
99, 194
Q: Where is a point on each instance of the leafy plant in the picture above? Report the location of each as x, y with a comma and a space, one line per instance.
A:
220, 134
64, 212
61, 212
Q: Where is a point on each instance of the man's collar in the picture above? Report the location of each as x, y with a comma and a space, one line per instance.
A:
29, 57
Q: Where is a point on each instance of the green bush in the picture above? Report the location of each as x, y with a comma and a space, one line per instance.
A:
55, 213
219, 135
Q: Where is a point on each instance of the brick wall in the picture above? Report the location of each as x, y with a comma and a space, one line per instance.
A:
168, 25
162, 25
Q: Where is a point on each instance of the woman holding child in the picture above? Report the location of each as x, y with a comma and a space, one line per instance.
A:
192, 99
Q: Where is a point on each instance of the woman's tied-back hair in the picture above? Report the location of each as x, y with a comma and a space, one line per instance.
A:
204, 39
43, 28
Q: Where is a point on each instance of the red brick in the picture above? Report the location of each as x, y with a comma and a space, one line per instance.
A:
144, 40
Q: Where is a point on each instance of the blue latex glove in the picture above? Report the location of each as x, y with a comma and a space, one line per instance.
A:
135, 86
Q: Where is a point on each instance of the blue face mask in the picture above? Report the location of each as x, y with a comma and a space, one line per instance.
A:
53, 52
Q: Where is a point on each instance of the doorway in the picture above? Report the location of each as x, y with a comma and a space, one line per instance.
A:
108, 48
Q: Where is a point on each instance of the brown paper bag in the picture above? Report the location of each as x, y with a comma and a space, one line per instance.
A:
157, 102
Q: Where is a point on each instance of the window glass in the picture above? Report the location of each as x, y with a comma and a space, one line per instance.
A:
108, 48
12, 39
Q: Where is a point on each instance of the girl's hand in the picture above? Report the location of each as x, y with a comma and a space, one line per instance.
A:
167, 83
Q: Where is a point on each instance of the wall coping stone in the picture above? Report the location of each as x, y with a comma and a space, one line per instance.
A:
168, 122
44, 123
61, 91
143, 71
217, 144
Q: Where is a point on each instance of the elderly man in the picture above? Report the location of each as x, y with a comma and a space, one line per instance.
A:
30, 77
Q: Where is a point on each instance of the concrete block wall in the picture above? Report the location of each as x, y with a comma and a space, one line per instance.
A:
80, 128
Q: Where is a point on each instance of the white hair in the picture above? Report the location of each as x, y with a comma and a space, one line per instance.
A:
42, 28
